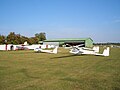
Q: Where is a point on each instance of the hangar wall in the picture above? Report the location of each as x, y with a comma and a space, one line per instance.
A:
51, 43
89, 43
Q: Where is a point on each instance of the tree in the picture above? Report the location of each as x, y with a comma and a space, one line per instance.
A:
40, 36
23, 39
33, 40
11, 38
2, 39
18, 39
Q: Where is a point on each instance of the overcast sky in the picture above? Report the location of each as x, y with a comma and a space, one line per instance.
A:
98, 19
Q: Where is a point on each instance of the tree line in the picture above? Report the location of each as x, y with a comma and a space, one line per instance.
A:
107, 43
13, 38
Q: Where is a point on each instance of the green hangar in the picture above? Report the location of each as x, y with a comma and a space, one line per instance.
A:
86, 42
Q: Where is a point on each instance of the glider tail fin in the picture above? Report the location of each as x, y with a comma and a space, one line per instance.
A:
106, 51
55, 50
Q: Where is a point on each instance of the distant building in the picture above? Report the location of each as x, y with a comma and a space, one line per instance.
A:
87, 42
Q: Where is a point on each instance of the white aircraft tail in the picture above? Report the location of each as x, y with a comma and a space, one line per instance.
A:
96, 48
105, 52
25, 43
55, 50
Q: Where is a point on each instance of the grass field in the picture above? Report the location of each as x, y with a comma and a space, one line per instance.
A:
26, 70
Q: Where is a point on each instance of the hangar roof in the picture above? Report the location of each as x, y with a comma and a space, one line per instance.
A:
67, 39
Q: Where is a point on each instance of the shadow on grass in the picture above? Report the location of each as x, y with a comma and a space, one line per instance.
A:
71, 79
66, 56
24, 71
3, 67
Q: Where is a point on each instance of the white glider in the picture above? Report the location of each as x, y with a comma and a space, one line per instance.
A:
94, 51
54, 51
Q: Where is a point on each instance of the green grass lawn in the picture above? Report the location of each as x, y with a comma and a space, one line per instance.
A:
26, 70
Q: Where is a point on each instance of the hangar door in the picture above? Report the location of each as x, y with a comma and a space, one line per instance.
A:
74, 43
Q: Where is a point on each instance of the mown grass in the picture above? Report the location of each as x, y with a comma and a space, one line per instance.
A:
26, 70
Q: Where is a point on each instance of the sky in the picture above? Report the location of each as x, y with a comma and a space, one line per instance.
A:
97, 19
